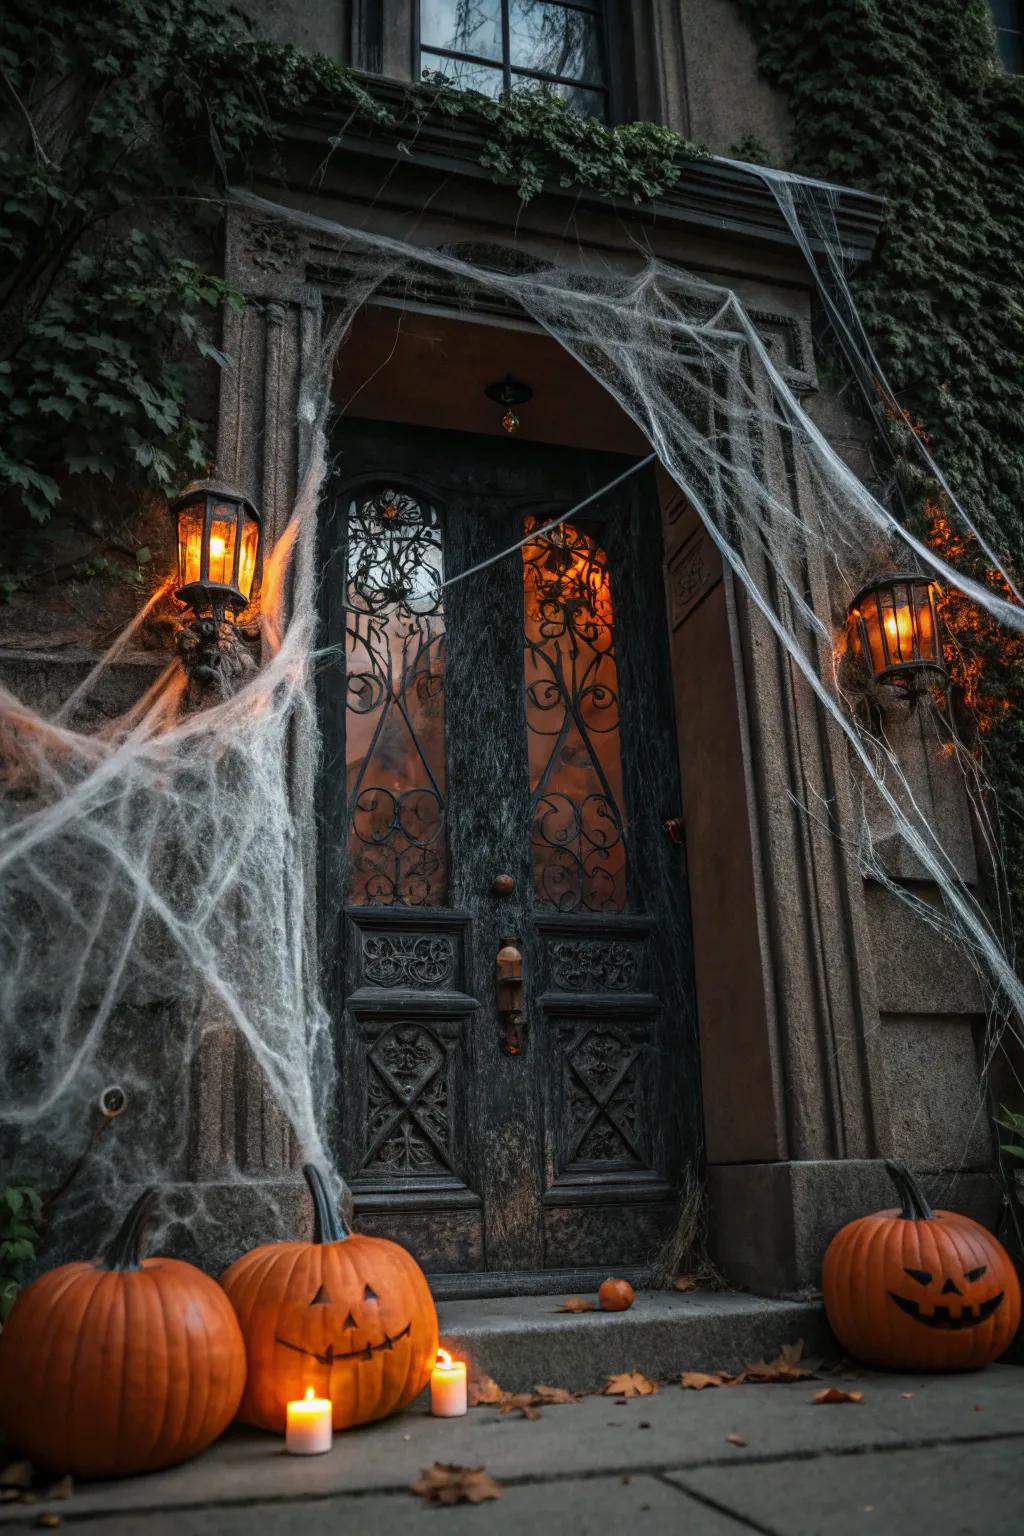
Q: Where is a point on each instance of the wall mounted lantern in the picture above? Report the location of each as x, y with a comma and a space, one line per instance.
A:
509, 392
218, 547
894, 626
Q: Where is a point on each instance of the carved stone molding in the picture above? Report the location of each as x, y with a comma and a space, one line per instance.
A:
692, 573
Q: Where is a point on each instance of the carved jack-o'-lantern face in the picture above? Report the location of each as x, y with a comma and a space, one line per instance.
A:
917, 1289
356, 1338
944, 1304
350, 1316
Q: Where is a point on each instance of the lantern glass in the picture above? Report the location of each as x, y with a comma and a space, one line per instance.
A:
247, 558
223, 533
895, 627
191, 520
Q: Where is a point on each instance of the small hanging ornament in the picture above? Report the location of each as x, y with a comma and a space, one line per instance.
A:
509, 392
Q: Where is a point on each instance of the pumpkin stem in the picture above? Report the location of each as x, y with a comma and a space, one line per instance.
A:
915, 1206
328, 1224
123, 1252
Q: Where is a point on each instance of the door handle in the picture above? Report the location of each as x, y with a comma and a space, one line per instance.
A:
508, 970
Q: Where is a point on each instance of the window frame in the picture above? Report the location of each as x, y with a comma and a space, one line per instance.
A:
606, 17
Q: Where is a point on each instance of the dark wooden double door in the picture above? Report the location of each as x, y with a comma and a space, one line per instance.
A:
516, 724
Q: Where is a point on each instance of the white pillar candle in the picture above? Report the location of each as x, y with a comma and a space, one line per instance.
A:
309, 1425
448, 1387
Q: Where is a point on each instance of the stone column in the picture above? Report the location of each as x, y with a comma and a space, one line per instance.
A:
241, 1148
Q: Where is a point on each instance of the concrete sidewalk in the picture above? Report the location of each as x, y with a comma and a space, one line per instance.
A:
941, 1454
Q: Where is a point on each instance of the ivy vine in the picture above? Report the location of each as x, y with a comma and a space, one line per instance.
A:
121, 125
906, 98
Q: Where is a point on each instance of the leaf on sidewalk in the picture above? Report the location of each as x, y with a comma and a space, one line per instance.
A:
576, 1304
837, 1395
63, 1489
554, 1395
787, 1366
484, 1391
684, 1283
629, 1384
735, 1440
17, 1474
696, 1381
447, 1483
522, 1402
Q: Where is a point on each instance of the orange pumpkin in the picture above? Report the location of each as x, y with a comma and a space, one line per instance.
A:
350, 1316
615, 1295
920, 1290
115, 1366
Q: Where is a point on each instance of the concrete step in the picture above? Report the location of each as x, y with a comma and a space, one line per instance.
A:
523, 1340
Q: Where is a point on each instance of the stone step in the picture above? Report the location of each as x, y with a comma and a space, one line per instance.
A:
523, 1340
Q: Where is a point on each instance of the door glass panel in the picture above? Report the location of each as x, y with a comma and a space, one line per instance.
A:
394, 714
578, 849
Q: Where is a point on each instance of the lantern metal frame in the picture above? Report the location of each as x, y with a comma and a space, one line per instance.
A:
899, 669
204, 595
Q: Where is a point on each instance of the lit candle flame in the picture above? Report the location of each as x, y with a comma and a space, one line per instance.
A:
444, 1360
310, 1395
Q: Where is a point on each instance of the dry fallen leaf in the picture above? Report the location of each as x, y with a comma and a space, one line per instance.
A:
684, 1283
735, 1440
906, 1394
787, 1366
62, 1489
837, 1395
554, 1395
577, 1304
446, 1483
484, 1391
523, 1402
629, 1384
48, 1521
17, 1474
698, 1380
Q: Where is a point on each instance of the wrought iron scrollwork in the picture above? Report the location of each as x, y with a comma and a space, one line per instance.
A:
395, 702
572, 714
426, 960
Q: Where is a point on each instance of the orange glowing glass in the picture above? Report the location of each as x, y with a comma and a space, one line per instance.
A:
218, 547
572, 720
894, 625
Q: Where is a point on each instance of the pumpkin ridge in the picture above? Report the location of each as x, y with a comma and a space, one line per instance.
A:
247, 1276
204, 1350
73, 1375
173, 1347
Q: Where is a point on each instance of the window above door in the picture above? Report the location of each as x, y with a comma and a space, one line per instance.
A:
497, 46
1008, 16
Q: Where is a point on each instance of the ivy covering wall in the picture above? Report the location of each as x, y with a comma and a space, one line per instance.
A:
905, 98
120, 126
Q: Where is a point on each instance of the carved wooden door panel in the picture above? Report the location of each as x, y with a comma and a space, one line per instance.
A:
517, 723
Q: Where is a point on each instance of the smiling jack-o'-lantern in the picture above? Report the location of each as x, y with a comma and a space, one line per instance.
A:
920, 1290
350, 1316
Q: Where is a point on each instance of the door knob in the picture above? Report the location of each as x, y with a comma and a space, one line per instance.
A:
508, 970
502, 885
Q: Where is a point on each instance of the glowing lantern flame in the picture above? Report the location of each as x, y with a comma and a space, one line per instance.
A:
444, 1360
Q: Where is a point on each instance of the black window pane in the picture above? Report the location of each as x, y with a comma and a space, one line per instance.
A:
591, 103
464, 26
557, 39
463, 73
1011, 51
